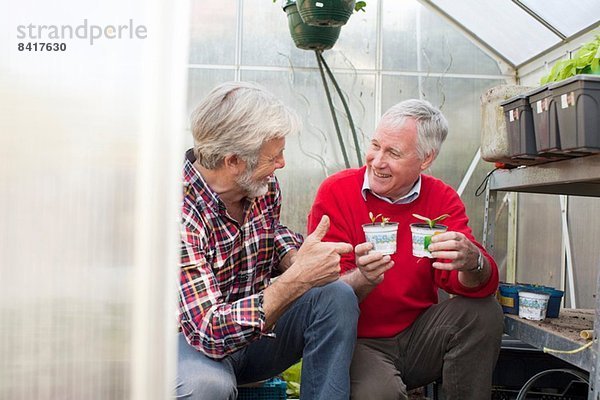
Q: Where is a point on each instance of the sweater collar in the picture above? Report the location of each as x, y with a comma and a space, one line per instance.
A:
411, 196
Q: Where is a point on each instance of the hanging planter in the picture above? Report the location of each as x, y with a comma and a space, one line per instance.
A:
308, 37
325, 12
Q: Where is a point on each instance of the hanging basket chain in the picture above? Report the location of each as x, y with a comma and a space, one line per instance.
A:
346, 108
335, 121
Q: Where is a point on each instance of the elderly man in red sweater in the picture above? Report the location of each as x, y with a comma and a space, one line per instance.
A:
405, 338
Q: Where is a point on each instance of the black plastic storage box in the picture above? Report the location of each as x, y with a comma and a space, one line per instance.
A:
577, 102
519, 124
545, 124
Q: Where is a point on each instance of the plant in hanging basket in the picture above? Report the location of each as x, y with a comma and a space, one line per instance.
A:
422, 234
328, 12
309, 37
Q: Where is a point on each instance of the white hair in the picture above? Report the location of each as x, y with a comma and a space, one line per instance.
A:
432, 126
238, 118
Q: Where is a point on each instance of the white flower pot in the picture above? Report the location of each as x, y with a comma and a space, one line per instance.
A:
421, 238
533, 305
383, 236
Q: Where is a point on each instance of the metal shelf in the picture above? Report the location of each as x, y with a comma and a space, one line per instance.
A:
560, 333
576, 176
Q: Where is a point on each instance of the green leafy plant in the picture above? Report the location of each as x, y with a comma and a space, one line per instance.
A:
360, 6
585, 61
292, 377
384, 220
431, 222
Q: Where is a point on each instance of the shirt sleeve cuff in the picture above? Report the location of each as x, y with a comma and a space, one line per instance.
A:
286, 241
250, 313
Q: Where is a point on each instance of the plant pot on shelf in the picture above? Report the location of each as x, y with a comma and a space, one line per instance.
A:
308, 37
383, 236
325, 12
421, 238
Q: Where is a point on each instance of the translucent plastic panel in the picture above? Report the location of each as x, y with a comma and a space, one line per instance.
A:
68, 152
213, 31
316, 153
358, 38
418, 39
394, 89
502, 25
399, 40
266, 39
586, 260
568, 17
74, 129
541, 264
444, 49
201, 81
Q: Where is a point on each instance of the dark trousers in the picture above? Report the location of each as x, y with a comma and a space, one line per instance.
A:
457, 340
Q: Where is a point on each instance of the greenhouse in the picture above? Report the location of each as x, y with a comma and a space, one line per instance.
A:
104, 275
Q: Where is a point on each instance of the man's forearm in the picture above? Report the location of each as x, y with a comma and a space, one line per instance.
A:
281, 294
287, 260
357, 281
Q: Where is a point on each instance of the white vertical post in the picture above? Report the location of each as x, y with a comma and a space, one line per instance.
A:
158, 198
566, 240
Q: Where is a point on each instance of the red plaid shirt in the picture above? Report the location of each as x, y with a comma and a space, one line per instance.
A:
225, 267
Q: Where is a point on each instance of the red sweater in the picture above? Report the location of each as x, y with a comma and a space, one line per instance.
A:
411, 285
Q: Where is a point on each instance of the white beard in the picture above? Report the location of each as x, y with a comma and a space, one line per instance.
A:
251, 187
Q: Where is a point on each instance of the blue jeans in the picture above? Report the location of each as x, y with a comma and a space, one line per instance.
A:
319, 327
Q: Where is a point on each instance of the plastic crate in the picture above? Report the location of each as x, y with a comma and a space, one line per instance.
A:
543, 110
273, 389
578, 113
519, 123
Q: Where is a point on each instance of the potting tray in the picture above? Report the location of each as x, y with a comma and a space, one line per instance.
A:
577, 104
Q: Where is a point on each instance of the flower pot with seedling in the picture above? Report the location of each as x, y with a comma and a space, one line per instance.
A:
423, 232
382, 233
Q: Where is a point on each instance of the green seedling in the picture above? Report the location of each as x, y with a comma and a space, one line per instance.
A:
431, 222
384, 220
